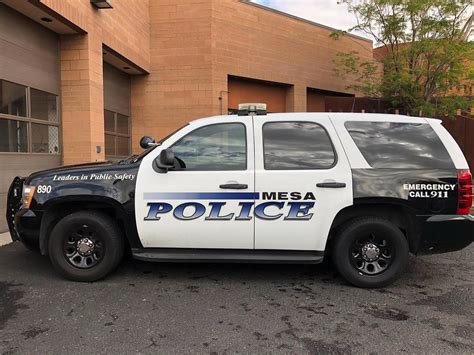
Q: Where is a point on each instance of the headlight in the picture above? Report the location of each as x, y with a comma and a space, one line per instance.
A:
27, 196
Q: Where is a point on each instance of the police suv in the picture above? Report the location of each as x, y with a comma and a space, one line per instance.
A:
367, 189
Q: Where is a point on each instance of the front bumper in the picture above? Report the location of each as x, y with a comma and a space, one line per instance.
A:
443, 234
14, 205
23, 224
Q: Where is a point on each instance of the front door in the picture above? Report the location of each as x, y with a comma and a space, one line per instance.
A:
303, 179
206, 201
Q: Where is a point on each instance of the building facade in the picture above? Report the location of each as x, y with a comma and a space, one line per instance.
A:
82, 83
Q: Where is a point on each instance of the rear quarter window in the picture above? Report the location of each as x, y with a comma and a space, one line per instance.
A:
399, 145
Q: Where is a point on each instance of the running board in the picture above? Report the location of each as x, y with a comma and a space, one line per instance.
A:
228, 256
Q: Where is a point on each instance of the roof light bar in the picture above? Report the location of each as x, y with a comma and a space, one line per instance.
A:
252, 109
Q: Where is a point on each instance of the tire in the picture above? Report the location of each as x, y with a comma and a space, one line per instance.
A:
370, 252
86, 246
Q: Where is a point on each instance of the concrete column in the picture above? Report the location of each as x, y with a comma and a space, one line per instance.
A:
82, 93
296, 98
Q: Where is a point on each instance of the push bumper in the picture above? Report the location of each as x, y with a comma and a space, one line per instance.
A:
443, 234
23, 224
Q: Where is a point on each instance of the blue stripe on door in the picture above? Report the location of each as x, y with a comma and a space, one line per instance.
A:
201, 195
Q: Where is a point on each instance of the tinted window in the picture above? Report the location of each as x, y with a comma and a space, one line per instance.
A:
214, 147
12, 99
13, 136
43, 106
399, 145
117, 135
296, 145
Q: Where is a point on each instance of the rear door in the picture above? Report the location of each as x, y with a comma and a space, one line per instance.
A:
303, 180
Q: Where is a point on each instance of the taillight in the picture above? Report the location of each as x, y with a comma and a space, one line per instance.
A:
464, 192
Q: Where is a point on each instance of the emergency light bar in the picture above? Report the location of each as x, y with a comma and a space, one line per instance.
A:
252, 109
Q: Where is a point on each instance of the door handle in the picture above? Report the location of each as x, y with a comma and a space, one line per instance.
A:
234, 186
331, 185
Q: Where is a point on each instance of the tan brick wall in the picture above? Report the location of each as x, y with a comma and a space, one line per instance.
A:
252, 42
179, 87
82, 98
189, 47
196, 44
125, 29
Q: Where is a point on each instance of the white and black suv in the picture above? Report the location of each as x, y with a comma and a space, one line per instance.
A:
367, 189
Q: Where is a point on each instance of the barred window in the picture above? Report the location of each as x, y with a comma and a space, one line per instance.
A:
29, 120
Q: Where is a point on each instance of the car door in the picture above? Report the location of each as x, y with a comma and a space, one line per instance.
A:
303, 179
198, 204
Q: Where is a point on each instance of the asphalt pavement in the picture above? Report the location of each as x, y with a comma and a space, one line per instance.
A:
225, 308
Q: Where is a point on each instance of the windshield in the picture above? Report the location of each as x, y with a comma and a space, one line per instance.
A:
136, 157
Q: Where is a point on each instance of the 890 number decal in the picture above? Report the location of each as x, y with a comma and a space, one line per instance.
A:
43, 189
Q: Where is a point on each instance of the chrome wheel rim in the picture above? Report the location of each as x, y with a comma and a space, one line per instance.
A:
83, 247
371, 255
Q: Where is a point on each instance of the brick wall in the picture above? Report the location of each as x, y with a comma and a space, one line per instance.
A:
196, 44
252, 42
179, 87
189, 47
126, 30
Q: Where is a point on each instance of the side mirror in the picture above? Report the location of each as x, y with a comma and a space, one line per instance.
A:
146, 142
165, 161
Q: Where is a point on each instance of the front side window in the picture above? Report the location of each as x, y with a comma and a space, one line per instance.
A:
399, 145
297, 146
213, 148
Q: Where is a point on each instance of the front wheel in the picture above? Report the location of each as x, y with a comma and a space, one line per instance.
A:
85, 246
370, 252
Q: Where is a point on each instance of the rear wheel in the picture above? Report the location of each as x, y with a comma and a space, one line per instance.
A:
85, 246
370, 252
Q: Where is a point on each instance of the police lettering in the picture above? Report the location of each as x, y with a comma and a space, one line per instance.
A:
215, 211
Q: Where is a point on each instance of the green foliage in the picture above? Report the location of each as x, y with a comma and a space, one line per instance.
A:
427, 54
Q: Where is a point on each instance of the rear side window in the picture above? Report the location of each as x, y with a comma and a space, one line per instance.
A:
399, 145
297, 146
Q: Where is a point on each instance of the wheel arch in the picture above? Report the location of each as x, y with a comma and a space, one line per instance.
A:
399, 214
60, 208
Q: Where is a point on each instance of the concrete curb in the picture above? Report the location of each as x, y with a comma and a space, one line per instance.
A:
5, 239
